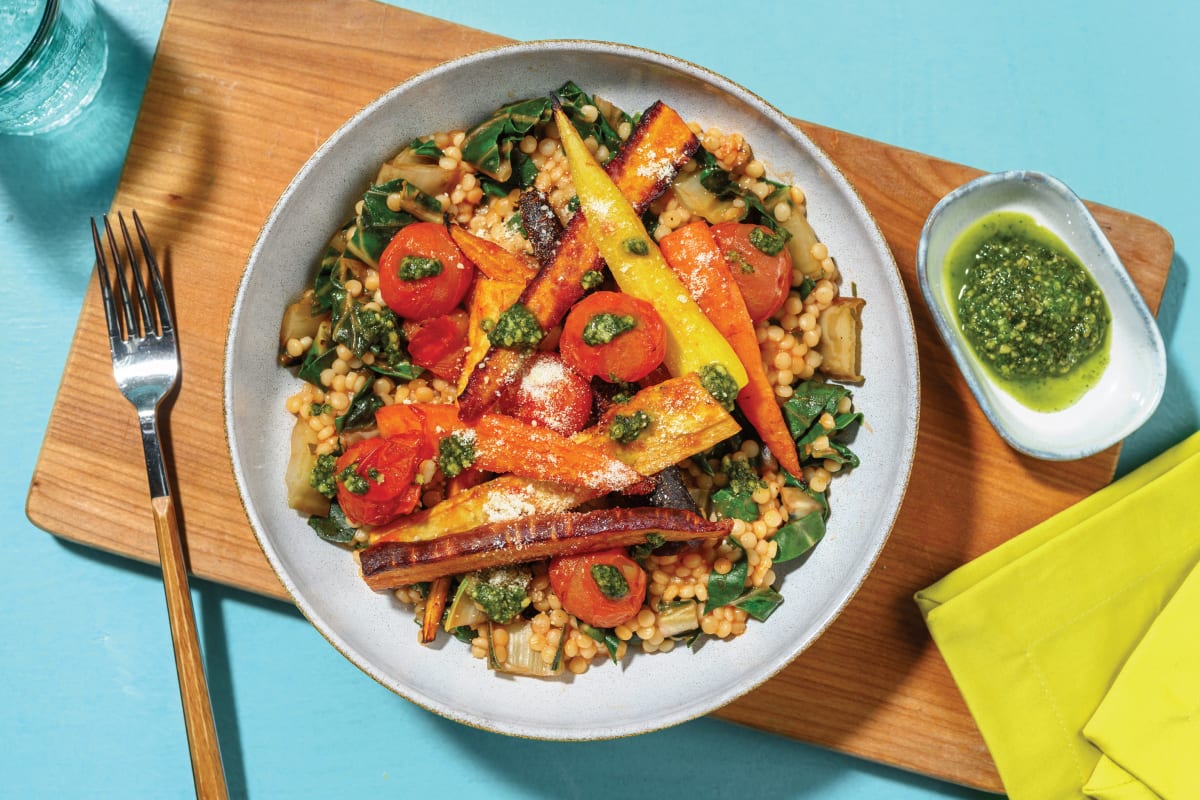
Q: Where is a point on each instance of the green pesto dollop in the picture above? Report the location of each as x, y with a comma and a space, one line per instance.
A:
627, 428
1033, 315
604, 327
516, 328
413, 268
323, 477
456, 453
768, 242
610, 581
354, 483
591, 279
502, 592
720, 384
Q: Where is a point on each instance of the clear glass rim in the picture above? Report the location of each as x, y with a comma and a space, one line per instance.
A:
35, 44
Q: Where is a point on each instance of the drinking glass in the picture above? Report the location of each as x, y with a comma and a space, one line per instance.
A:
53, 55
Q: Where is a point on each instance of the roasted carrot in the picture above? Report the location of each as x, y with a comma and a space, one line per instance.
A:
638, 266
508, 445
387, 565
491, 259
435, 606
540, 223
672, 437
693, 253
643, 167
488, 301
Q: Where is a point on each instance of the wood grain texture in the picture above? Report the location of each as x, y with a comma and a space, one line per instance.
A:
236, 103
208, 771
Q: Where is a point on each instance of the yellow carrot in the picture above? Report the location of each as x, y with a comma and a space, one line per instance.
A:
638, 266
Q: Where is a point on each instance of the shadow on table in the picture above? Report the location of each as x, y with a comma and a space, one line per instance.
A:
1177, 415
214, 642
713, 759
83, 159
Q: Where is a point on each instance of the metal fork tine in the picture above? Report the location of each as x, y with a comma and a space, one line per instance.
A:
110, 309
160, 294
148, 326
131, 328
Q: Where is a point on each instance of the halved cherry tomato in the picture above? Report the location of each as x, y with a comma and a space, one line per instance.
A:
429, 421
763, 279
573, 581
549, 393
440, 344
433, 295
387, 466
630, 355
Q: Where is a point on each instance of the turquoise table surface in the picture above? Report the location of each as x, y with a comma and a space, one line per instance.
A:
1104, 99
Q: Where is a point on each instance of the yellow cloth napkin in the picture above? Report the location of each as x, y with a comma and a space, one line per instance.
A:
1036, 631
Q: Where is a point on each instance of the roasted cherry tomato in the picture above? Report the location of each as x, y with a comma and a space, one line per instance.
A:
764, 279
429, 421
422, 273
549, 393
384, 469
621, 353
440, 344
585, 584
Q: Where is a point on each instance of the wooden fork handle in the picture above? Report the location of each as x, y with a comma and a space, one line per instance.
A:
207, 770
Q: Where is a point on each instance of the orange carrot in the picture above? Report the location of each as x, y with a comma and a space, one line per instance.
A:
491, 259
506, 444
693, 253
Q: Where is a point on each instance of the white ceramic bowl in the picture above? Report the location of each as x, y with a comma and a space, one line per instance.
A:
372, 630
1132, 384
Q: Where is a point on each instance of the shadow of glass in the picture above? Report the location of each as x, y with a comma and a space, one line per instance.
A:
1177, 415
82, 160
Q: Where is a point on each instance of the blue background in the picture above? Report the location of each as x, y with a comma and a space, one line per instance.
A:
1101, 95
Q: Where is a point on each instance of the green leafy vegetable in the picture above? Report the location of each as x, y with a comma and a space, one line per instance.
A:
802, 411
334, 528
488, 144
464, 633
605, 636
798, 535
640, 552
425, 147
724, 589
361, 411
760, 602
736, 499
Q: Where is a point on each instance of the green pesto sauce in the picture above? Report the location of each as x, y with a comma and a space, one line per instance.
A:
610, 581
602, 328
1035, 319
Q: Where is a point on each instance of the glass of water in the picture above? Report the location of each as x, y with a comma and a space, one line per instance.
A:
52, 58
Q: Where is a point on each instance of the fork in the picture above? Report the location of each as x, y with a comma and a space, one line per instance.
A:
146, 367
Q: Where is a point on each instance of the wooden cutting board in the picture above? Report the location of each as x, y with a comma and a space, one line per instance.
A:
237, 102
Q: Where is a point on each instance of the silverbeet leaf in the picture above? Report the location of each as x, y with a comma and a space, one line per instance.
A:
759, 603
724, 589
334, 528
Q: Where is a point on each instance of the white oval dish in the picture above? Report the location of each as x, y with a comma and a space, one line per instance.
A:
648, 691
1133, 382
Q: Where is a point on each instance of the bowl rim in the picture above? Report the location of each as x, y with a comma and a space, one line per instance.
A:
891, 276
975, 376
